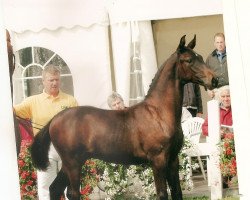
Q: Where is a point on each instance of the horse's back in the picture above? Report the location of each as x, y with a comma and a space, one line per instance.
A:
82, 117
91, 130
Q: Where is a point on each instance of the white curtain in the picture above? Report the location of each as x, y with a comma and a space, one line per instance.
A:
134, 59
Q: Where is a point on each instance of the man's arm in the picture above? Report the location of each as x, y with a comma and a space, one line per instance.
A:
23, 109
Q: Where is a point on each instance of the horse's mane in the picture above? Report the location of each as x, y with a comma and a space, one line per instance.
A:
154, 80
156, 77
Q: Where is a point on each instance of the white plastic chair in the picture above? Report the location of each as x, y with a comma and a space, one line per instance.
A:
192, 130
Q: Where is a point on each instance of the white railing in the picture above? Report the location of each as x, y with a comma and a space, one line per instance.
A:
213, 171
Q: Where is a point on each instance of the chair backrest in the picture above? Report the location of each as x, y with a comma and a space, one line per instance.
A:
192, 129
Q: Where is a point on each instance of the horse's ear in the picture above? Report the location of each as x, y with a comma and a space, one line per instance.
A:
192, 44
182, 43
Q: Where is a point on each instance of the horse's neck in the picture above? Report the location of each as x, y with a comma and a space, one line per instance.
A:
167, 92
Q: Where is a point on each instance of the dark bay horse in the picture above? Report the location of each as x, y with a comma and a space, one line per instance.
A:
17, 120
148, 132
11, 60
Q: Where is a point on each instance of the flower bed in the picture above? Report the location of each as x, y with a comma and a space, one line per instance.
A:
89, 179
228, 164
27, 173
28, 178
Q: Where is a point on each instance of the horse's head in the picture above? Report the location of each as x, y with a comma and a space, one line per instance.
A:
191, 66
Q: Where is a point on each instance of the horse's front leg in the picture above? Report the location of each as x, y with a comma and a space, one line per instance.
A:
159, 169
173, 179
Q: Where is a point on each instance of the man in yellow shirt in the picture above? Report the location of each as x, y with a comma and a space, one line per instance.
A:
40, 109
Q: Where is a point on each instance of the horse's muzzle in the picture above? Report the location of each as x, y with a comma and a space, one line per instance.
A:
215, 82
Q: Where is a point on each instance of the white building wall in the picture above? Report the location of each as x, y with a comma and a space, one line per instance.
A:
237, 31
9, 171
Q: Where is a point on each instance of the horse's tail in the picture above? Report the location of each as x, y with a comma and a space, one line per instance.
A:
40, 148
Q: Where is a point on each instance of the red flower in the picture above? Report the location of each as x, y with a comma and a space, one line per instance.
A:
21, 163
23, 187
33, 175
86, 190
229, 136
234, 162
226, 144
24, 175
30, 182
228, 151
93, 171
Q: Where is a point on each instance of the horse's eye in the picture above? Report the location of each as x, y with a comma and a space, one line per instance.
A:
189, 60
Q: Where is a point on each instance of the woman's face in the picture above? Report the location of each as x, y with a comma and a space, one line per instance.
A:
117, 104
225, 98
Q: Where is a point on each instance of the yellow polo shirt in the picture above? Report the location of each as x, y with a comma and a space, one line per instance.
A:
42, 107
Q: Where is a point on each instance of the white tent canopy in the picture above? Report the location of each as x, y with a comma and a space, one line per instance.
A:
139, 10
35, 15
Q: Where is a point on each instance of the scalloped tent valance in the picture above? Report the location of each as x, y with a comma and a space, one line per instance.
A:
35, 15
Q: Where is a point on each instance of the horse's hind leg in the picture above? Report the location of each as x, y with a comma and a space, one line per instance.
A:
74, 173
173, 179
58, 186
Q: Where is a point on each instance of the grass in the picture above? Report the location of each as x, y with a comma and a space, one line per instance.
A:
196, 198
205, 198
231, 198
187, 198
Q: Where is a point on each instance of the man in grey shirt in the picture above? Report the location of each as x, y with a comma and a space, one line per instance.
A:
217, 61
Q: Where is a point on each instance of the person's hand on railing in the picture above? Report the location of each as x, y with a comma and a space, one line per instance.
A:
211, 93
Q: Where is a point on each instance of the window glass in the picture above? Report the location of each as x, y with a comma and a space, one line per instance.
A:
29, 64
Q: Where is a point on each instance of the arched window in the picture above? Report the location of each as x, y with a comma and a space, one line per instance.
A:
27, 78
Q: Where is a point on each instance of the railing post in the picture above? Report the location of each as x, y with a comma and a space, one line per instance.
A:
214, 138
